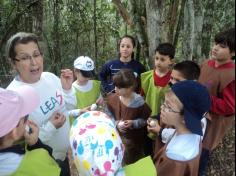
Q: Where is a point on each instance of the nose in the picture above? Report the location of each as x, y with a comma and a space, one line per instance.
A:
33, 60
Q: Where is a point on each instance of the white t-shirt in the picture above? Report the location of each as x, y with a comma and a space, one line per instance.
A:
183, 147
52, 98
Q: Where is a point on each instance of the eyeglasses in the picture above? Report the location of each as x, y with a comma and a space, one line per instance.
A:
27, 58
169, 109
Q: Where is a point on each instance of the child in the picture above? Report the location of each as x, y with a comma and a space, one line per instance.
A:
98, 151
185, 70
130, 113
218, 74
14, 159
126, 60
87, 91
155, 83
185, 105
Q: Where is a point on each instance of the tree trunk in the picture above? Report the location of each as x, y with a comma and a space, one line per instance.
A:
139, 26
208, 23
95, 31
188, 36
180, 23
56, 62
38, 18
172, 20
154, 25
198, 24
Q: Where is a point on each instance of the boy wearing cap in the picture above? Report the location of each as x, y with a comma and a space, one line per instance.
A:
184, 107
87, 91
35, 159
98, 149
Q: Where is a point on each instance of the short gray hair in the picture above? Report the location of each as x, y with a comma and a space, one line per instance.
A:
19, 38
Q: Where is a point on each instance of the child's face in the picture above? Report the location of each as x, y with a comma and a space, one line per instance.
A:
126, 48
176, 76
80, 77
162, 62
222, 53
171, 110
124, 92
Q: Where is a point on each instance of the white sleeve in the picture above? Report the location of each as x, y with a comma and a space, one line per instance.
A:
70, 99
204, 125
167, 134
46, 132
68, 95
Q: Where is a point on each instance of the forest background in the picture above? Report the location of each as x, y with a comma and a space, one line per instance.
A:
71, 28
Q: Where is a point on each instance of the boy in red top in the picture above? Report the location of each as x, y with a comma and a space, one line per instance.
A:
218, 74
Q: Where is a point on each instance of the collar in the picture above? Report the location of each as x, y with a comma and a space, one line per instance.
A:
13, 149
162, 81
212, 63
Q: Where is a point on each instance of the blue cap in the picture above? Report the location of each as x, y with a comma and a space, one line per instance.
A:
196, 101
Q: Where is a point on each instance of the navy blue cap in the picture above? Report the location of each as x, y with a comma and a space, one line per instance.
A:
196, 101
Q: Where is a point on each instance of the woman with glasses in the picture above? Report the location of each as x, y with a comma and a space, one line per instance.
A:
56, 95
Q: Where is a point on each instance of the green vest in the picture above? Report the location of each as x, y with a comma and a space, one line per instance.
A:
85, 99
37, 163
153, 95
140, 168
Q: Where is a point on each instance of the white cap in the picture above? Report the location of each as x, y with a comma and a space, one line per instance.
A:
84, 63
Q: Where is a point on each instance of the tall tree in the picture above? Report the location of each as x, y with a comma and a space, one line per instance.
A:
37, 9
154, 24
56, 63
198, 26
208, 23
95, 30
188, 36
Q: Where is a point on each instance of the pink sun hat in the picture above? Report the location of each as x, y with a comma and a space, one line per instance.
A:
14, 105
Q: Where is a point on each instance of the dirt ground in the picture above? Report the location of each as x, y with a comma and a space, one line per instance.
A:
222, 161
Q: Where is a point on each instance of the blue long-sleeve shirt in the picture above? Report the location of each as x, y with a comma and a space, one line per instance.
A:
114, 66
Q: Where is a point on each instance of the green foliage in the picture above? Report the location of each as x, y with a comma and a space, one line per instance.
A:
73, 21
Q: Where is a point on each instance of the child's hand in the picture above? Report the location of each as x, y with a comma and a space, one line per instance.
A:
82, 111
31, 136
128, 124
153, 126
121, 127
100, 102
67, 79
58, 119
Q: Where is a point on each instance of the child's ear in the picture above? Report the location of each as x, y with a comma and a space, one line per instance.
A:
172, 63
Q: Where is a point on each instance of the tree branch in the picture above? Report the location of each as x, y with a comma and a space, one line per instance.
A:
124, 13
13, 23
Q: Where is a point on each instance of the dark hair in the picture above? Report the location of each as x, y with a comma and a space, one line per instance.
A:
227, 38
132, 40
19, 38
166, 49
125, 78
189, 69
